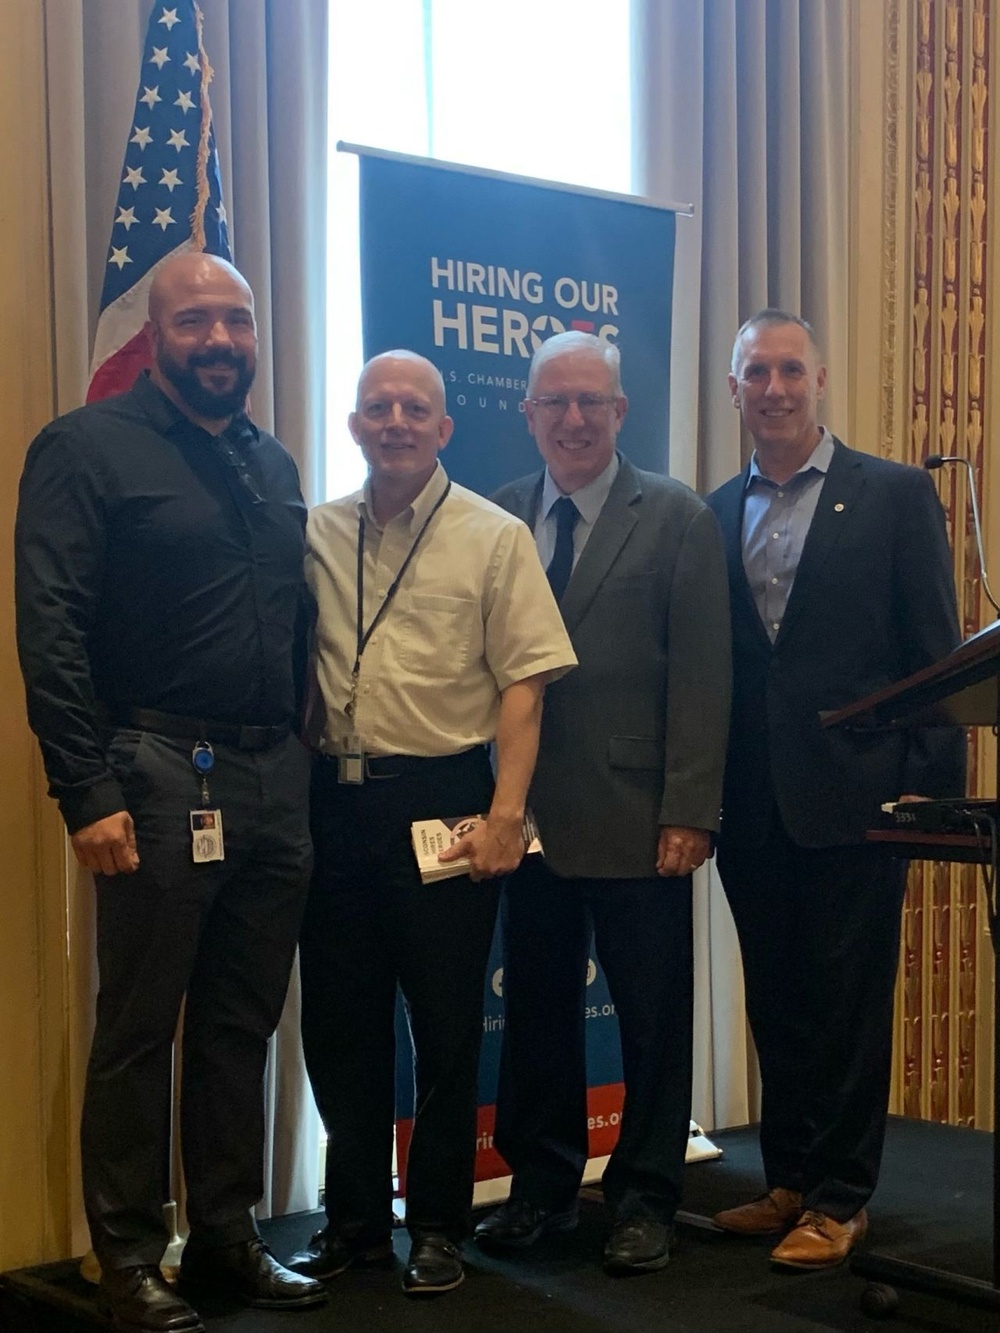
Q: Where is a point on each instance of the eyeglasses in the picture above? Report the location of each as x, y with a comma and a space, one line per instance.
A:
556, 405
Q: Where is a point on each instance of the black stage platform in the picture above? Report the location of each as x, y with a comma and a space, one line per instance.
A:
933, 1206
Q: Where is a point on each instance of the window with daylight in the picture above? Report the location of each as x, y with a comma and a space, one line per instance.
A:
534, 87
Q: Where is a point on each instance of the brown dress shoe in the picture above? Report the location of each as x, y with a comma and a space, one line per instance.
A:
819, 1241
769, 1215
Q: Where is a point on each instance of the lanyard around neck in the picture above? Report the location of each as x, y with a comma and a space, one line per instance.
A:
364, 635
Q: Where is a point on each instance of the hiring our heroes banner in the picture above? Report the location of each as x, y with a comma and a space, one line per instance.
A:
474, 270
605, 1090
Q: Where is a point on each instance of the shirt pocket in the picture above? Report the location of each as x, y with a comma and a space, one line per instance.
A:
438, 635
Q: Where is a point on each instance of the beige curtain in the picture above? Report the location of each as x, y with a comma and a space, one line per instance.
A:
269, 103
742, 109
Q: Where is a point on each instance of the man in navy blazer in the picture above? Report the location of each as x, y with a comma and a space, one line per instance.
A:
840, 583
626, 793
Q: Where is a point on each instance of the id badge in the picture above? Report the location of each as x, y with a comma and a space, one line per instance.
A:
206, 836
351, 760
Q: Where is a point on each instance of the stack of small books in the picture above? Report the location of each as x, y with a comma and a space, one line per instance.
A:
433, 836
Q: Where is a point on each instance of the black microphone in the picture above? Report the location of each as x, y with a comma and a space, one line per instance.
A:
933, 461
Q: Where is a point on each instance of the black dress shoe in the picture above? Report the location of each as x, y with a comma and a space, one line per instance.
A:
519, 1223
637, 1245
434, 1265
140, 1300
250, 1272
329, 1253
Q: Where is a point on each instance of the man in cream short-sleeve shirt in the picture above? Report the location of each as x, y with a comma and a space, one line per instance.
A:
437, 632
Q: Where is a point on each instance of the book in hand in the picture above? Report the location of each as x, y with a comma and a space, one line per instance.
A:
431, 836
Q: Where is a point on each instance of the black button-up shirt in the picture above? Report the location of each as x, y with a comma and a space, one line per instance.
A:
157, 567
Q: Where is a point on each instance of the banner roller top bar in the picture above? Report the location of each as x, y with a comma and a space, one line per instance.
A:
362, 150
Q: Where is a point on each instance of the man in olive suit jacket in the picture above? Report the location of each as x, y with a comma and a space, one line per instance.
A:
626, 793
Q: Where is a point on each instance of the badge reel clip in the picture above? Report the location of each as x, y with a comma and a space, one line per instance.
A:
206, 823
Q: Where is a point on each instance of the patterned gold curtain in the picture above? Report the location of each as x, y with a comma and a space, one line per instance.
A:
936, 321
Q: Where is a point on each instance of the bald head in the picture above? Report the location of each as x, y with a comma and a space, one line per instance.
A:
401, 425
203, 337
416, 368
191, 269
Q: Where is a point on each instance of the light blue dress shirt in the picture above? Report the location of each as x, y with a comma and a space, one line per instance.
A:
589, 500
776, 521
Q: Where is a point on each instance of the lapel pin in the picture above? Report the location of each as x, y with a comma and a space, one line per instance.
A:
838, 508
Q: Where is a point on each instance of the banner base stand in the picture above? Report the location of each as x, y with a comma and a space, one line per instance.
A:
700, 1148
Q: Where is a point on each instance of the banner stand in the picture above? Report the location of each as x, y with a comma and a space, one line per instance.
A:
474, 269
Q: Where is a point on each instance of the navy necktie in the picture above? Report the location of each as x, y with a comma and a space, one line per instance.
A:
561, 564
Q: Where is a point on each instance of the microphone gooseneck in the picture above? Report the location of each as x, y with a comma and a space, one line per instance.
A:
934, 461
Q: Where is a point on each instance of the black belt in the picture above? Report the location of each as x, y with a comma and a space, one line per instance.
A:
396, 765
202, 729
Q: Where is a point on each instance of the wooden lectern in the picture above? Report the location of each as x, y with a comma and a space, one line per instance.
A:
964, 688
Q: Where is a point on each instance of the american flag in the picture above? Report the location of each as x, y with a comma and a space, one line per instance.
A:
170, 198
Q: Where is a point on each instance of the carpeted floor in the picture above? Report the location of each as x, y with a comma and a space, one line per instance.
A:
934, 1205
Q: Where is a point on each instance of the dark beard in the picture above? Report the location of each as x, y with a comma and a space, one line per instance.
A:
205, 402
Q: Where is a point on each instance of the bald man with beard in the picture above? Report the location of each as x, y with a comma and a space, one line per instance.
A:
160, 598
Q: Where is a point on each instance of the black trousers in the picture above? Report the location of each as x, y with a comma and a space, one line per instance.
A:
224, 935
819, 935
370, 926
643, 935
